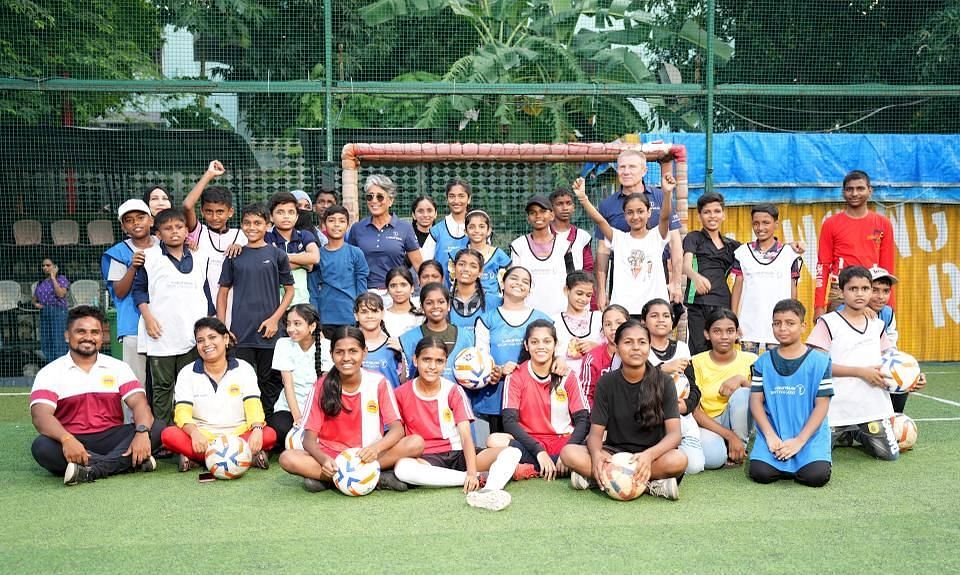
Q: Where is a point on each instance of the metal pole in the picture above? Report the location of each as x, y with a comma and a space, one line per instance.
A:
328, 75
711, 31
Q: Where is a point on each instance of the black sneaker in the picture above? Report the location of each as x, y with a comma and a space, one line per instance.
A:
186, 464
315, 485
77, 474
390, 482
261, 460
149, 464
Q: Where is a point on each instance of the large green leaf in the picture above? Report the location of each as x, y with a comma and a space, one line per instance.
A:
383, 11
693, 33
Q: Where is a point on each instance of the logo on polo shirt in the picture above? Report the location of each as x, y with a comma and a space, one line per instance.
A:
372, 406
234, 390
108, 381
561, 394
447, 415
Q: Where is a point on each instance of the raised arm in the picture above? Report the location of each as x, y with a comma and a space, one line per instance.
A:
580, 189
214, 170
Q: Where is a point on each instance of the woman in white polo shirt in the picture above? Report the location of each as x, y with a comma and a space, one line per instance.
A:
216, 395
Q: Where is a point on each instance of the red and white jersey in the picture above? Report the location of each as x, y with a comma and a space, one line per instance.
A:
85, 402
543, 412
435, 418
364, 415
596, 362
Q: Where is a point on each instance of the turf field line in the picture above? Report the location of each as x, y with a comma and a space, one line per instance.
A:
939, 419
940, 399
13, 393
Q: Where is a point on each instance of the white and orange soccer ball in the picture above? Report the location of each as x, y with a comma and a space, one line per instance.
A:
619, 479
900, 370
353, 476
294, 439
472, 368
683, 385
905, 431
228, 457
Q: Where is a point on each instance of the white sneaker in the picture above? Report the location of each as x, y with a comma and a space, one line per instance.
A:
666, 488
580, 482
494, 499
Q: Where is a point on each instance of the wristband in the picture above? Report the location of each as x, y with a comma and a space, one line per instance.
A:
257, 426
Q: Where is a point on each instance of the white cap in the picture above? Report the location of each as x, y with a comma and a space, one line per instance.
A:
132, 206
878, 272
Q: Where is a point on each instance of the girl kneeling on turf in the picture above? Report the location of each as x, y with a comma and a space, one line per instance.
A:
437, 410
541, 410
217, 395
351, 407
636, 407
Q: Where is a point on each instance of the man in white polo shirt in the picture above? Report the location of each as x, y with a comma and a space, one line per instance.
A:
77, 406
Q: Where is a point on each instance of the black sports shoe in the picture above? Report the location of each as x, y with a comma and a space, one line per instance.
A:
389, 482
77, 474
261, 460
315, 485
149, 464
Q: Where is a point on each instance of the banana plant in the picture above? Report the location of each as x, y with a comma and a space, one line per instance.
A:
545, 42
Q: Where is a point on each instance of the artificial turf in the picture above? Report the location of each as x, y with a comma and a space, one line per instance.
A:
873, 516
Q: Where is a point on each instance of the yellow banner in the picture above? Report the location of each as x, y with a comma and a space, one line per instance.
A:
928, 295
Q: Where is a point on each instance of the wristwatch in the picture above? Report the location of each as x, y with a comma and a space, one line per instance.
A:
141, 428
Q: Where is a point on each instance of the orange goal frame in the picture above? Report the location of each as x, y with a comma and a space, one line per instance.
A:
667, 155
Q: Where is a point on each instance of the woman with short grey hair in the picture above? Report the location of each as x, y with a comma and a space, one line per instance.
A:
384, 239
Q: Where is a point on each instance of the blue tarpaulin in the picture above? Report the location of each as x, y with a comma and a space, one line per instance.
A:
754, 167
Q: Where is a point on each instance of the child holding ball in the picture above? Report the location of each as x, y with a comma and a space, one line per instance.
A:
635, 412
351, 407
438, 410
790, 395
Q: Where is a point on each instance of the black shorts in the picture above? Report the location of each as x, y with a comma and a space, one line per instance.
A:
612, 449
448, 459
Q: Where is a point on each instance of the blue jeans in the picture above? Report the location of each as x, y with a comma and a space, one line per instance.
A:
736, 417
53, 324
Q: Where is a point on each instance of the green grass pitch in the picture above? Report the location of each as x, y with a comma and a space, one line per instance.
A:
901, 517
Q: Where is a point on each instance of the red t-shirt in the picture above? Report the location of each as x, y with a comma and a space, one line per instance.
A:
542, 412
346, 429
595, 363
866, 241
421, 416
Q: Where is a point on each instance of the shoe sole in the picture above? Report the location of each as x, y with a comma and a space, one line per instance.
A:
490, 500
670, 490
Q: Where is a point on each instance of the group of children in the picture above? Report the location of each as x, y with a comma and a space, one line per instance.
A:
572, 385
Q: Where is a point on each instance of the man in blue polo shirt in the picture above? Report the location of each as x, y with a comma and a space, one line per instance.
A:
383, 238
631, 168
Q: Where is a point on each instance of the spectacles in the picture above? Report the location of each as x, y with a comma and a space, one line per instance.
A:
377, 197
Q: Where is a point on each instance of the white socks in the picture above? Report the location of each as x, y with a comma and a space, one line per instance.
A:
502, 469
411, 471
415, 473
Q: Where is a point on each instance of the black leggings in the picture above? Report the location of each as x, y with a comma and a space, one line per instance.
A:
282, 423
813, 474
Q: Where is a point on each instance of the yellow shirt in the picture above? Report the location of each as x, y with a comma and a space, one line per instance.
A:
710, 375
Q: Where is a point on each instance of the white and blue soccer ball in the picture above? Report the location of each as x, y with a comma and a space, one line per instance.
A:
294, 439
353, 476
900, 370
472, 368
228, 457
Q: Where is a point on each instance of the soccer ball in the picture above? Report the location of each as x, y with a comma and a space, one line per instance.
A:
294, 439
472, 368
618, 475
905, 430
900, 370
228, 457
353, 476
683, 385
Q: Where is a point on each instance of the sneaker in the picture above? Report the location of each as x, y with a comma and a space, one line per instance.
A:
76, 474
149, 464
186, 464
261, 460
164, 453
525, 471
390, 482
580, 482
666, 488
314, 485
494, 499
